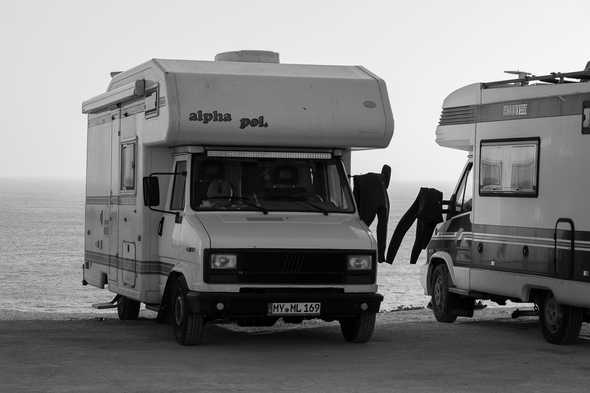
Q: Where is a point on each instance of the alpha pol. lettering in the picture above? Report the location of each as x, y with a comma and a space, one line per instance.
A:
206, 117
219, 116
254, 122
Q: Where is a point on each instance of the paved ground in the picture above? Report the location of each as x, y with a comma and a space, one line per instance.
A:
409, 353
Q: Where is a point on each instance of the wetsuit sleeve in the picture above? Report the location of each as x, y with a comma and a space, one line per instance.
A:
400, 230
429, 214
382, 216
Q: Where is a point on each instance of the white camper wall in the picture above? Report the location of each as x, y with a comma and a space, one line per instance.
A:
253, 104
97, 241
564, 162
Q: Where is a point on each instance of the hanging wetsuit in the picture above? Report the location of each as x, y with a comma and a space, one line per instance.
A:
427, 208
370, 194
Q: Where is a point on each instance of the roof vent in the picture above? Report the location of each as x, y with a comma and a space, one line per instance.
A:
249, 56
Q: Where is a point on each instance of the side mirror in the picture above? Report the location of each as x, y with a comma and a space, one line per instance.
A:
151, 191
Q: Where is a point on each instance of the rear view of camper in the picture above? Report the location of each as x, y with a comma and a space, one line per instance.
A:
517, 226
219, 191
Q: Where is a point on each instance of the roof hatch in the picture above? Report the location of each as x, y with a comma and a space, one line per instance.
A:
249, 56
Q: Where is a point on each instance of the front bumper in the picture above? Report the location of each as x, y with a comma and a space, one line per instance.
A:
246, 305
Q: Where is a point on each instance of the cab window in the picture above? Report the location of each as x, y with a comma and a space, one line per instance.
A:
467, 202
464, 195
177, 200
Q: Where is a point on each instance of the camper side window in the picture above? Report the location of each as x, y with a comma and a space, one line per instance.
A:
509, 167
128, 166
177, 200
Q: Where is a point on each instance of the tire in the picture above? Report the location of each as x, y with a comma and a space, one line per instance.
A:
188, 326
560, 324
359, 329
443, 302
128, 309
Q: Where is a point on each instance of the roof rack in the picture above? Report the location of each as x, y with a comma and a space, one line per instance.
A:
554, 77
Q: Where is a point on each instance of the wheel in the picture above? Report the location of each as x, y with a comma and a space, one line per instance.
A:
188, 326
359, 329
128, 309
442, 300
560, 324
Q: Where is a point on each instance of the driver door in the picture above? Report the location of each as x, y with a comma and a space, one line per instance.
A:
175, 202
459, 224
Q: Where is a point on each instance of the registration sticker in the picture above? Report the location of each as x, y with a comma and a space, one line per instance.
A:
294, 308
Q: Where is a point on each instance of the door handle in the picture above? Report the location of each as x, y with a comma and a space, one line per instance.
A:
480, 247
161, 227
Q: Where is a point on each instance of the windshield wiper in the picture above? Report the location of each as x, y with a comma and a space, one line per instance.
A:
248, 202
307, 202
245, 200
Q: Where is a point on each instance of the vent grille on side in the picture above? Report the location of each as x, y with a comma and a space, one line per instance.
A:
458, 115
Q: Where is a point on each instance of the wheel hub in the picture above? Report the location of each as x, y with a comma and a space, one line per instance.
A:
437, 291
552, 315
179, 310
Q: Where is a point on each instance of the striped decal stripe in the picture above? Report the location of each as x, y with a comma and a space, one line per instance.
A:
140, 267
112, 200
552, 106
563, 244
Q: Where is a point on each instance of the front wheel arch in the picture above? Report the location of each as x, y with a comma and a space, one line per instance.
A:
165, 304
436, 259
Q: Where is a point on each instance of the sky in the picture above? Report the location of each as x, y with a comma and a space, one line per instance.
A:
55, 54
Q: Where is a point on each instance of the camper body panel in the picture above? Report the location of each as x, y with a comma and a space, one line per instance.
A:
327, 111
507, 244
119, 244
209, 103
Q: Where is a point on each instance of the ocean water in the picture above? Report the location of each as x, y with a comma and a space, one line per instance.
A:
42, 248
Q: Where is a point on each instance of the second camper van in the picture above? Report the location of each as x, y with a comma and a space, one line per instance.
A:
518, 223
219, 190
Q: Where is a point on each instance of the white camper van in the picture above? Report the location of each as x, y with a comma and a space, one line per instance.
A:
219, 191
518, 223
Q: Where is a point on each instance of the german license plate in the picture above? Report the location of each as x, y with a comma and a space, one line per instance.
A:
294, 308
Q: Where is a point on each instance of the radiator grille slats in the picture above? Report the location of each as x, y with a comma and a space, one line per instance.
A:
289, 267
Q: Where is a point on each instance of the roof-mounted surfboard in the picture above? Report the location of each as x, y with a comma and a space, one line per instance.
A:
248, 98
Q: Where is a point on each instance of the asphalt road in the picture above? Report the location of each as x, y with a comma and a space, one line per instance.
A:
409, 353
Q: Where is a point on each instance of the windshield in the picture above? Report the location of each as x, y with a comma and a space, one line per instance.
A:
269, 184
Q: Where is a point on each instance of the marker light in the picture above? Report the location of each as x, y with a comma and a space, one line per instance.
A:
269, 154
223, 261
359, 262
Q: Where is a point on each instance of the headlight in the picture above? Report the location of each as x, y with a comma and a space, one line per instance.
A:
359, 262
223, 261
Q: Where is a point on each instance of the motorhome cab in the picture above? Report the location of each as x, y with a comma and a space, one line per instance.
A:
518, 226
219, 190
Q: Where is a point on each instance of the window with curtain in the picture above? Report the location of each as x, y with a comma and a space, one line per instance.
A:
509, 167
